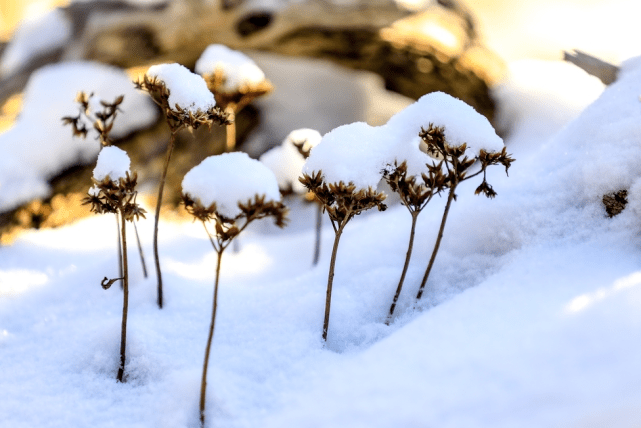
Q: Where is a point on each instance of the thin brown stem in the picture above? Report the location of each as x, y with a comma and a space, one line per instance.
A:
119, 249
450, 198
170, 149
319, 224
140, 252
408, 256
203, 382
125, 304
231, 128
330, 280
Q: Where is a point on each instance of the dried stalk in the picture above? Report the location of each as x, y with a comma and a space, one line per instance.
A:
125, 304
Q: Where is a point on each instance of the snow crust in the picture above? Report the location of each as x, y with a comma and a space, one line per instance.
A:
113, 162
285, 160
186, 89
239, 69
38, 145
230, 179
36, 35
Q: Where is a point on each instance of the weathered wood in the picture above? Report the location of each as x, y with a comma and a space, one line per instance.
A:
594, 66
378, 36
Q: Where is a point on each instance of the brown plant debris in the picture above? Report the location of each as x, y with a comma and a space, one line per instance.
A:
615, 202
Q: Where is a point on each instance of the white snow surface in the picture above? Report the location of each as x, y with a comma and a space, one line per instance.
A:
359, 152
229, 179
239, 69
285, 160
354, 153
531, 317
113, 162
38, 145
462, 123
186, 89
36, 35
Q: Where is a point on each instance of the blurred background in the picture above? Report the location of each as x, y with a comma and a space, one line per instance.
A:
520, 29
331, 62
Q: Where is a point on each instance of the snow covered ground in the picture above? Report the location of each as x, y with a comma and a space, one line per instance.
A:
532, 316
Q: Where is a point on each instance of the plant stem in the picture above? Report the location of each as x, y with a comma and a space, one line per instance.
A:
231, 128
450, 198
170, 149
125, 305
319, 224
119, 249
142, 255
203, 383
408, 256
330, 280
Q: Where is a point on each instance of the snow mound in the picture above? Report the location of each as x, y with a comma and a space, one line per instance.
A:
28, 41
287, 162
355, 153
229, 179
239, 70
462, 123
38, 145
113, 163
186, 89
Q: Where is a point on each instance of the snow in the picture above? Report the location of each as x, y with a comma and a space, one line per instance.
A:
462, 123
113, 163
355, 153
186, 89
38, 146
531, 317
28, 41
230, 179
358, 152
286, 161
239, 70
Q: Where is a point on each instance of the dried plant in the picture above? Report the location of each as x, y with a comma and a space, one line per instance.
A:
233, 102
455, 165
177, 118
305, 149
414, 196
341, 202
102, 121
615, 202
225, 230
107, 196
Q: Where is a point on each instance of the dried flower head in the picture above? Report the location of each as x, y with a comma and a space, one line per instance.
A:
94, 113
342, 201
108, 196
178, 116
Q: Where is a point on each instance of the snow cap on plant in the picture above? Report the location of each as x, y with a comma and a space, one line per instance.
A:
113, 163
114, 188
461, 123
222, 184
239, 70
231, 75
287, 160
182, 94
354, 153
